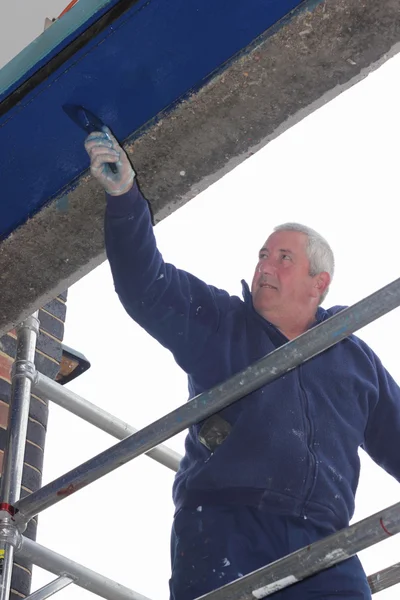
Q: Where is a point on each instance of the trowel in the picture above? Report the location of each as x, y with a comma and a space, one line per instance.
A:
88, 122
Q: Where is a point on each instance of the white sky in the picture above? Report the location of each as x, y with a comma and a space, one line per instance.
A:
336, 171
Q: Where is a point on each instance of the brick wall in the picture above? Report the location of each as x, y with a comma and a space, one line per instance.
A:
47, 360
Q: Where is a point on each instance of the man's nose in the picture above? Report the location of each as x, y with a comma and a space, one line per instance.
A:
267, 266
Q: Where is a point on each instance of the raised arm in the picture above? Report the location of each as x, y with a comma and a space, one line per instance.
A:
176, 308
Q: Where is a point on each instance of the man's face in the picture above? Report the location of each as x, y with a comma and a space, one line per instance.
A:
281, 279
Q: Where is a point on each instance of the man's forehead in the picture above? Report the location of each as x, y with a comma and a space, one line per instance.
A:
293, 240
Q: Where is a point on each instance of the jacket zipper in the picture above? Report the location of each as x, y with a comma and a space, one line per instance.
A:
313, 459
310, 481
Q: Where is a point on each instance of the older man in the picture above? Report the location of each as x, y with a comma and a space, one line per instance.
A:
278, 469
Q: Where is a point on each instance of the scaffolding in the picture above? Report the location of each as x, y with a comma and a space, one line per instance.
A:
15, 513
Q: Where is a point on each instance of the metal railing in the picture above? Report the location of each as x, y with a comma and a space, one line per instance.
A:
15, 514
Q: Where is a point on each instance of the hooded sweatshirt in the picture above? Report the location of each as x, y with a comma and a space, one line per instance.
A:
290, 447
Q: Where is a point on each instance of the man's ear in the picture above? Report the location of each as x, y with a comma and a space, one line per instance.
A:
322, 281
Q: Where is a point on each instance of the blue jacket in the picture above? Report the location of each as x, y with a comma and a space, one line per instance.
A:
293, 445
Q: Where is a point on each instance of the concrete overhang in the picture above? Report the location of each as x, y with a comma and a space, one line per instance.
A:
296, 66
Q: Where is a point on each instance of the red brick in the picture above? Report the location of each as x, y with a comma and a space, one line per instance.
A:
5, 367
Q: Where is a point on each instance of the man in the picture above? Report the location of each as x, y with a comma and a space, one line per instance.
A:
278, 469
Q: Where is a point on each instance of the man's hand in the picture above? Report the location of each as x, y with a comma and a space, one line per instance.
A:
103, 149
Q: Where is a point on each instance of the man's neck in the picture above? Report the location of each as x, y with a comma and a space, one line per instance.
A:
291, 325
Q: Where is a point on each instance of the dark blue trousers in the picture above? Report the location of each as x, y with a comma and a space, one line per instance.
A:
214, 545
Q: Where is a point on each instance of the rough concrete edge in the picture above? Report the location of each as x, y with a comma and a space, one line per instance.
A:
60, 288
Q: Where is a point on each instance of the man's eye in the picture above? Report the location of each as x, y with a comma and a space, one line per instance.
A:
286, 257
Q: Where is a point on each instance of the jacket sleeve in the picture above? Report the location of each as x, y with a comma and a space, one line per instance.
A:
176, 308
382, 435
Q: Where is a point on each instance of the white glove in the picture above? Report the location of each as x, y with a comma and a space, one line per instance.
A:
103, 149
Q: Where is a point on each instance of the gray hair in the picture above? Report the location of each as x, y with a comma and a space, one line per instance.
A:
319, 252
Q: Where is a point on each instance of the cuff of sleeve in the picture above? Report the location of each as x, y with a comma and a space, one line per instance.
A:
126, 204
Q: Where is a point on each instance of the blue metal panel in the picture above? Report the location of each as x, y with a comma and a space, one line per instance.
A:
152, 55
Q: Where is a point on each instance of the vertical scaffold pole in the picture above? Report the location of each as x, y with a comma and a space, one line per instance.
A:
22, 376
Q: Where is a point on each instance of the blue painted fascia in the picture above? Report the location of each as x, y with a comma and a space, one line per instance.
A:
143, 63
